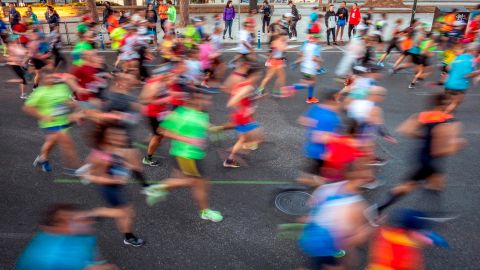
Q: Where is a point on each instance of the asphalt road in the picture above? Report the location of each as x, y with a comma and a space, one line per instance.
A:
178, 239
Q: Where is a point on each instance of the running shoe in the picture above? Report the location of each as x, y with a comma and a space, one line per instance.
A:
23, 96
411, 86
150, 162
134, 241
45, 165
209, 214
230, 163
341, 253
259, 91
381, 64
378, 162
321, 71
312, 100
250, 146
155, 193
440, 216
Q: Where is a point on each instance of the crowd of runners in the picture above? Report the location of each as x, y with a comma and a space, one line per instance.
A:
342, 124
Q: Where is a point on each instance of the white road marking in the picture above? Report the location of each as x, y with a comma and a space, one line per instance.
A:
15, 235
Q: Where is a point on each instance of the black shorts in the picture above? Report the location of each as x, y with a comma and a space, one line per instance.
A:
424, 60
38, 63
313, 166
426, 170
452, 92
417, 59
318, 263
393, 45
444, 68
154, 124
114, 195
407, 53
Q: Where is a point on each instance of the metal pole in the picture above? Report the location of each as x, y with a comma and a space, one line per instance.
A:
239, 12
414, 10
258, 39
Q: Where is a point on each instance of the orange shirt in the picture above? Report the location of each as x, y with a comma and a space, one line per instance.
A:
162, 11
112, 23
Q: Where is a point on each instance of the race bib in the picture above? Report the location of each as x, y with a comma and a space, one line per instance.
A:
60, 109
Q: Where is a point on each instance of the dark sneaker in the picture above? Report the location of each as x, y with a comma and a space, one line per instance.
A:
150, 162
411, 86
230, 163
136, 242
44, 164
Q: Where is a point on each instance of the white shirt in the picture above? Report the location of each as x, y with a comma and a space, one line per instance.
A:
245, 37
310, 51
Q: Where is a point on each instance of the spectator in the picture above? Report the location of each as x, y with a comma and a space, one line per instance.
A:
354, 20
331, 23
342, 17
107, 12
113, 21
267, 11
52, 17
152, 19
295, 18
32, 15
13, 15
228, 16
171, 12
162, 13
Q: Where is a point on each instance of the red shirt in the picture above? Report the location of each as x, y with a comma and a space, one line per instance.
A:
340, 152
242, 114
21, 28
473, 27
355, 17
85, 75
153, 109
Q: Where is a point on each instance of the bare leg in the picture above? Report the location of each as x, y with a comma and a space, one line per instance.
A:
153, 144
50, 141
242, 138
200, 192
68, 150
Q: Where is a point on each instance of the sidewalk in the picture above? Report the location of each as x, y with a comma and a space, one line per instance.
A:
303, 23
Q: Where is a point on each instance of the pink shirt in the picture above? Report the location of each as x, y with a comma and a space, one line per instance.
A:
206, 49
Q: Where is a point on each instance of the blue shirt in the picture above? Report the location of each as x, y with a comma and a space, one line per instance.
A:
49, 251
326, 120
460, 67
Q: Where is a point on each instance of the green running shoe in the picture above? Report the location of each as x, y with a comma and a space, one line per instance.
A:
155, 193
212, 215
341, 253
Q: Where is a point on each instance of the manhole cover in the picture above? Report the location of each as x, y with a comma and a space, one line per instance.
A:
293, 202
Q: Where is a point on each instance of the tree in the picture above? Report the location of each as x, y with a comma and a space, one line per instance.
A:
50, 2
183, 10
384, 3
92, 6
253, 5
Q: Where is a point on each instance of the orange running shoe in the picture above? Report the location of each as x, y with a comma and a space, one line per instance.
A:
312, 100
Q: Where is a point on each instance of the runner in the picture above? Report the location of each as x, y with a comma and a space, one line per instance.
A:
394, 42
310, 62
336, 226
439, 133
110, 171
424, 66
461, 70
322, 121
242, 102
51, 104
187, 127
275, 64
38, 51
17, 59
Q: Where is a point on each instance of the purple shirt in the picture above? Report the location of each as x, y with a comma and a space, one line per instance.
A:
228, 13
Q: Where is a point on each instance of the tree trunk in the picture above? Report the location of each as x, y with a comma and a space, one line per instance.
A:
183, 10
253, 5
92, 7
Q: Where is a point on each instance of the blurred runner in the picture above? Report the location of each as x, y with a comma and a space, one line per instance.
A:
187, 127
439, 133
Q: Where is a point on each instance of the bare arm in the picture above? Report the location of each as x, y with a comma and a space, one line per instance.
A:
409, 127
238, 96
446, 140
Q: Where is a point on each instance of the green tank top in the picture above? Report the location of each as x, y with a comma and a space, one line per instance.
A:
424, 44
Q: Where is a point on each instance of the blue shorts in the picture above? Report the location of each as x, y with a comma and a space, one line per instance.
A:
114, 195
242, 129
56, 128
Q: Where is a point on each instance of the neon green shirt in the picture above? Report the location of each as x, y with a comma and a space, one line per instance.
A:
172, 14
187, 122
116, 36
51, 100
